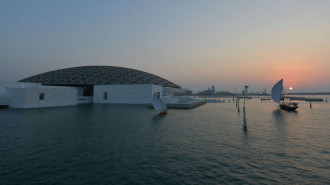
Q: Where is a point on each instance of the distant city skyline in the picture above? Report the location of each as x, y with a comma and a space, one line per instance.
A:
195, 44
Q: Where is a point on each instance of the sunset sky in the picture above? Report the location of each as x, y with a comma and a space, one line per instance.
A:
193, 43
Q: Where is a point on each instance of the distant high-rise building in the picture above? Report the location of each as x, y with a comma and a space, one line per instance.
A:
213, 89
246, 92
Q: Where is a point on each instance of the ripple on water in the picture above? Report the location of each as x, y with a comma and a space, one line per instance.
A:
126, 144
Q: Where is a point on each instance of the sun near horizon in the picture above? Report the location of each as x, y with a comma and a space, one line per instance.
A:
194, 43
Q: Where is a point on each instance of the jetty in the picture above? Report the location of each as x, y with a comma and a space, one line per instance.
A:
183, 105
304, 99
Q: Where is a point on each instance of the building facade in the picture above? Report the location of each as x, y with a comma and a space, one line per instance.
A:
126, 94
90, 84
42, 97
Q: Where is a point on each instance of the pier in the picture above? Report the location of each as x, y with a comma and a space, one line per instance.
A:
183, 105
304, 99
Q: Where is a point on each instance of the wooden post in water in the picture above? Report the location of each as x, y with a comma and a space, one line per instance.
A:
326, 99
310, 102
238, 105
244, 119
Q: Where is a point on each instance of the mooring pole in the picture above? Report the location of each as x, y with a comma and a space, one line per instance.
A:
310, 102
244, 119
238, 106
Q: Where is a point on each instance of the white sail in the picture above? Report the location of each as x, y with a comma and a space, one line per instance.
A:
276, 91
158, 104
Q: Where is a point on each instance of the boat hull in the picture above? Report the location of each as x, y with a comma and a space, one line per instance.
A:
164, 113
289, 106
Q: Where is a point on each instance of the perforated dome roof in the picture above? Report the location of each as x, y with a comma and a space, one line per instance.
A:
98, 75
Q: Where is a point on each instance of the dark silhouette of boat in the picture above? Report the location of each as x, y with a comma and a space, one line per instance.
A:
277, 97
290, 106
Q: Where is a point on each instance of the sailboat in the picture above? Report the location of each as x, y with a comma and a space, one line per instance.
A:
276, 96
159, 105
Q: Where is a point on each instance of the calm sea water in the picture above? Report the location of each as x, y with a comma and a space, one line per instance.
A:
129, 144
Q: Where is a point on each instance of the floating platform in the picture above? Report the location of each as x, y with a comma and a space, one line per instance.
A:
183, 105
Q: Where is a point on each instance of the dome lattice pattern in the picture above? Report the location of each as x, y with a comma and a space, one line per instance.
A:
98, 75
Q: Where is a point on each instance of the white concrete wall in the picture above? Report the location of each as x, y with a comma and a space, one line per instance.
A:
4, 85
4, 101
80, 91
169, 91
170, 99
126, 94
54, 96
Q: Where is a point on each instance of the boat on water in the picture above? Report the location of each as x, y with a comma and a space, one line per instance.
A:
277, 97
159, 105
288, 106
265, 99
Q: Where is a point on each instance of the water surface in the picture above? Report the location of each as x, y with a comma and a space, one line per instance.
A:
131, 144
